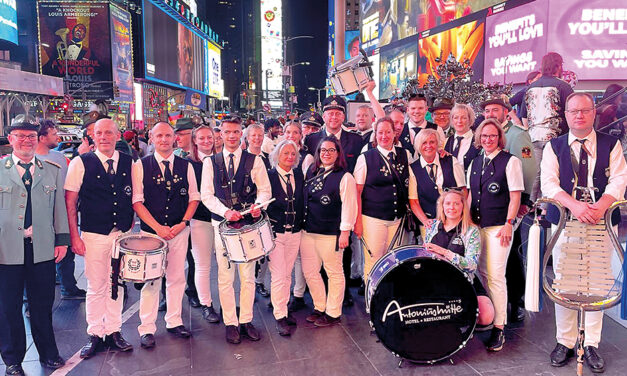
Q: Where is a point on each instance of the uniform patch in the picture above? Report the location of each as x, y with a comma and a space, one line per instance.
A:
325, 200
494, 188
526, 152
133, 265
128, 190
183, 191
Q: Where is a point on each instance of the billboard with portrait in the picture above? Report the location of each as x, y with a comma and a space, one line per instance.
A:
397, 66
174, 54
515, 42
75, 44
351, 41
8, 21
272, 50
121, 53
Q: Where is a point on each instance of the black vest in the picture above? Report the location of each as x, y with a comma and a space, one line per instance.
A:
278, 210
323, 203
167, 206
405, 137
468, 157
265, 157
351, 145
428, 191
451, 240
605, 145
490, 192
242, 191
202, 213
385, 193
103, 205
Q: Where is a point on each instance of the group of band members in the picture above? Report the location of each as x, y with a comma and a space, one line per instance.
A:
466, 191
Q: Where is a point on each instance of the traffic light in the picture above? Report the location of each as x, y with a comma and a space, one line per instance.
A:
65, 107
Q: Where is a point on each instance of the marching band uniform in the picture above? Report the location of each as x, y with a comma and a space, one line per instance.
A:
384, 175
286, 215
462, 148
166, 187
249, 185
410, 130
104, 190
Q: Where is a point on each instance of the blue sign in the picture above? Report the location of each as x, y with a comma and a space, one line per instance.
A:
8, 20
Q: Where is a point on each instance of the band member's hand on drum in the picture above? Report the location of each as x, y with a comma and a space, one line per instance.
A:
255, 211
78, 247
232, 215
343, 241
59, 253
505, 234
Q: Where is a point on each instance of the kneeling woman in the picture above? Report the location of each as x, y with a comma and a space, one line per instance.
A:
286, 216
453, 236
330, 213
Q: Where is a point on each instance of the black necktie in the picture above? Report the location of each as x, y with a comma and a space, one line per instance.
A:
432, 167
110, 171
457, 146
167, 174
27, 178
291, 216
231, 166
582, 174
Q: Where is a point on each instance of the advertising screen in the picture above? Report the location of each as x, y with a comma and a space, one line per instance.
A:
351, 41
215, 71
272, 50
376, 67
464, 42
515, 43
174, 54
8, 20
121, 53
75, 44
398, 65
591, 36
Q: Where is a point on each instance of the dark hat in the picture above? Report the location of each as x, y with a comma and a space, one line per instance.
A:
183, 124
271, 123
442, 104
311, 118
23, 126
334, 102
501, 99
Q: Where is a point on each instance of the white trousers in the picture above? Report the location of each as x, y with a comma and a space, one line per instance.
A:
299, 278
226, 277
320, 250
202, 250
378, 234
103, 314
281, 265
174, 288
566, 320
492, 266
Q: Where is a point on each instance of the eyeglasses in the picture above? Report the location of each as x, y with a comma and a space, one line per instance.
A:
584, 111
325, 151
489, 136
22, 137
442, 114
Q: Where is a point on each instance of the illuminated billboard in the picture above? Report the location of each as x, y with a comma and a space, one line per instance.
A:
215, 71
121, 53
272, 51
8, 21
398, 65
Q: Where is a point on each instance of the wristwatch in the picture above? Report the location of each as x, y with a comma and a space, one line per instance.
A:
186, 222
511, 221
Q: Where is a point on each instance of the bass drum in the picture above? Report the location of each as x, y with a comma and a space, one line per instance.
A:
422, 308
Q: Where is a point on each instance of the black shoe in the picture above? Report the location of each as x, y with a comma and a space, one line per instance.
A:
326, 320
261, 290
92, 347
593, 359
291, 319
483, 328
361, 290
348, 299
147, 341
297, 304
315, 315
116, 342
354, 282
249, 331
210, 315
194, 302
283, 327
163, 305
180, 332
496, 341
560, 355
55, 363
232, 334
78, 294
517, 314
14, 370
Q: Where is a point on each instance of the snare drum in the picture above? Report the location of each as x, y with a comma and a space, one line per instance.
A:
350, 76
142, 257
422, 308
245, 240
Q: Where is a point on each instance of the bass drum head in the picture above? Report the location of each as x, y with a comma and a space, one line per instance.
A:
424, 310
141, 243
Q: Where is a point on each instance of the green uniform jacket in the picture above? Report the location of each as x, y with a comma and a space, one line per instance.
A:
50, 224
519, 144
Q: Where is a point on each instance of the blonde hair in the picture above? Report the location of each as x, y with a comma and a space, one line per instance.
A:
300, 130
422, 137
496, 125
466, 220
469, 111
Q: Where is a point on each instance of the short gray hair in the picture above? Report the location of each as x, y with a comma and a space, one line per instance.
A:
274, 156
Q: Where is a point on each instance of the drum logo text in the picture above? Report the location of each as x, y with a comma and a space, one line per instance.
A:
422, 312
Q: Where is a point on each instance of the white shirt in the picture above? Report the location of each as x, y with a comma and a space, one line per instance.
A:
76, 170
466, 141
283, 179
268, 144
202, 155
361, 168
307, 162
549, 167
513, 172
458, 172
137, 176
258, 174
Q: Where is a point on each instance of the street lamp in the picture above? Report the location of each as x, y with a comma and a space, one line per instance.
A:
285, 40
288, 72
318, 90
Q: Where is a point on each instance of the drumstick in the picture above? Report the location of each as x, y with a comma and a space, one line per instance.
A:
247, 211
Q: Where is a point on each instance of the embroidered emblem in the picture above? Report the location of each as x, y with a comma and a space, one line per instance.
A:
128, 190
133, 265
183, 191
526, 152
457, 241
325, 200
48, 188
494, 188
317, 185
385, 171
248, 189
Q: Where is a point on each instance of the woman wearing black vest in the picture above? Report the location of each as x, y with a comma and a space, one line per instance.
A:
382, 177
453, 236
495, 181
200, 225
286, 215
429, 175
460, 144
330, 210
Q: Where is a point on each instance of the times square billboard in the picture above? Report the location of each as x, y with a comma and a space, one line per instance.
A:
272, 51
